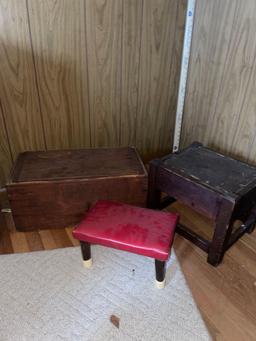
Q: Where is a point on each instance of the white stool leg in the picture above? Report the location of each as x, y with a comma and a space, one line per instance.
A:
87, 263
160, 285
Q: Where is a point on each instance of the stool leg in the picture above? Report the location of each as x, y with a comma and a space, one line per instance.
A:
251, 228
251, 218
160, 273
222, 232
86, 253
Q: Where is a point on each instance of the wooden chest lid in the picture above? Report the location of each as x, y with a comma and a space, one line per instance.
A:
77, 164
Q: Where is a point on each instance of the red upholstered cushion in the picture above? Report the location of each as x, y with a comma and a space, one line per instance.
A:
138, 230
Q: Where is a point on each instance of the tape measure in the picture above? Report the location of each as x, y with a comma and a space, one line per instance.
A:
184, 72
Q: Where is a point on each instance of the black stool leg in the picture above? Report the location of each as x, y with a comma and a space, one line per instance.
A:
160, 273
222, 232
86, 253
251, 219
251, 228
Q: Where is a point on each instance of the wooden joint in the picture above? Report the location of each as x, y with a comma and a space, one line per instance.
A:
166, 201
193, 237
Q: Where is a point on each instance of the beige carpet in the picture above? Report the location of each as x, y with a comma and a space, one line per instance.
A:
49, 295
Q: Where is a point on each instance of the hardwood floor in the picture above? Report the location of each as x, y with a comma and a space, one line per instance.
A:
225, 295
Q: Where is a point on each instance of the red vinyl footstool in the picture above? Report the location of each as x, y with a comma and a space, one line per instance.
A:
139, 230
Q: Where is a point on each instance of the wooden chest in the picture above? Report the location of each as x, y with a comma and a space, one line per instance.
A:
53, 189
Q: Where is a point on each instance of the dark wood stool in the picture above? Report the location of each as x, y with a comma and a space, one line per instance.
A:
215, 185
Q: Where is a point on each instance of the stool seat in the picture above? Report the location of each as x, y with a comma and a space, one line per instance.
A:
129, 228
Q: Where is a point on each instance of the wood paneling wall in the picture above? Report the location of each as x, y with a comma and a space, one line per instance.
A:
158, 77
18, 91
88, 73
220, 107
59, 49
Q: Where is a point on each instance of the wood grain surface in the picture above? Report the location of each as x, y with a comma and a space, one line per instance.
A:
59, 46
220, 102
18, 93
104, 46
131, 49
5, 151
167, 142
154, 117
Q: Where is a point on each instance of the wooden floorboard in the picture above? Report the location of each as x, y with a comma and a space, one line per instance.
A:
47, 240
225, 295
5, 240
34, 241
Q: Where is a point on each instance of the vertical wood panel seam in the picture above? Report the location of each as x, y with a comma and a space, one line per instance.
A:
254, 138
243, 102
251, 146
121, 77
87, 68
35, 73
225, 63
6, 131
138, 76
